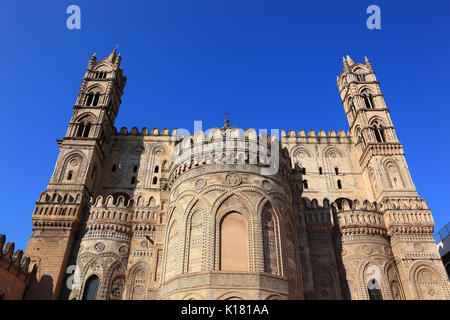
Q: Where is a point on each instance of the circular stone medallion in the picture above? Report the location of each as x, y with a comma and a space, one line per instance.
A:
266, 185
200, 184
233, 179
99, 247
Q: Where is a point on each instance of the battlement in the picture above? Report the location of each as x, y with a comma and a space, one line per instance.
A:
407, 216
14, 262
354, 217
123, 215
316, 214
57, 210
144, 132
312, 133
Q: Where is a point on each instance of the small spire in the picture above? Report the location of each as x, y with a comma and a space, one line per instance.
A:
112, 56
349, 60
368, 64
345, 63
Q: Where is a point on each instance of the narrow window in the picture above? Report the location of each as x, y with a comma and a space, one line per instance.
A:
374, 290
303, 170
90, 96
69, 176
91, 288
305, 184
133, 180
336, 170
114, 167
80, 129
135, 168
155, 180
367, 102
93, 172
377, 134
87, 130
156, 169
320, 170
96, 98
339, 184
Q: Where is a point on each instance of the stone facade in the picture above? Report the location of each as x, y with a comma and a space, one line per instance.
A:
137, 215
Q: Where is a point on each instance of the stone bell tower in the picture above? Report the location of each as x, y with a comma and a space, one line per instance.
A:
380, 154
58, 211
407, 221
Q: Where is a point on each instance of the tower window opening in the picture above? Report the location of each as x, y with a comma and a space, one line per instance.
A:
374, 290
155, 180
320, 170
156, 169
379, 132
303, 170
90, 97
80, 130
305, 184
336, 170
87, 130
69, 176
114, 167
368, 101
339, 184
96, 98
135, 168
133, 180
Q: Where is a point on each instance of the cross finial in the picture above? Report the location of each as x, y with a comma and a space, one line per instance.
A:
227, 121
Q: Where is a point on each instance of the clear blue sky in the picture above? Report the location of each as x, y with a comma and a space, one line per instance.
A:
271, 64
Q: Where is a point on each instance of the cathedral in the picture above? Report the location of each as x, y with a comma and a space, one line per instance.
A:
231, 213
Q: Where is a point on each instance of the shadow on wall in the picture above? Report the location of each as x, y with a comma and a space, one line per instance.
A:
39, 290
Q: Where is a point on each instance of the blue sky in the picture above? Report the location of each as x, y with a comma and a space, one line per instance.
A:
271, 64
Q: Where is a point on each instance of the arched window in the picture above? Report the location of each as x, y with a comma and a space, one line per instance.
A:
69, 176
339, 184
269, 232
303, 170
133, 180
234, 243
374, 289
114, 167
93, 172
336, 170
378, 132
368, 100
91, 288
305, 184
155, 180
135, 168
156, 169
320, 170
